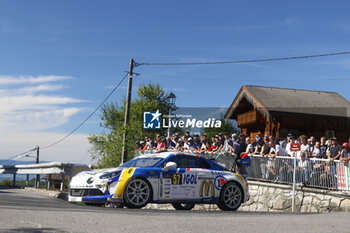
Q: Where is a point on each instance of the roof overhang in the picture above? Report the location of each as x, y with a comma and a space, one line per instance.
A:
244, 93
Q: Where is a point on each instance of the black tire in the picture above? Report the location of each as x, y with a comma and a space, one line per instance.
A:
137, 193
183, 206
231, 196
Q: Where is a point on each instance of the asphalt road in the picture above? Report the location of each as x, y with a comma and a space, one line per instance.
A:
25, 211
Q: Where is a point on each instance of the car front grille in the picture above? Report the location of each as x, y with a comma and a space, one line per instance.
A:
85, 192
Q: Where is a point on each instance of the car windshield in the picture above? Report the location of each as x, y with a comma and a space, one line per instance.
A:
142, 162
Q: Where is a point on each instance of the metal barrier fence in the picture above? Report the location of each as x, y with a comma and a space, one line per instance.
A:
319, 173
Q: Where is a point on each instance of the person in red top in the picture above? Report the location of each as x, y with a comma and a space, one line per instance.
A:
160, 143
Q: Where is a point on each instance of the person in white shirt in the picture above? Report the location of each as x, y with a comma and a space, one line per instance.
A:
304, 147
276, 150
316, 150
303, 169
249, 149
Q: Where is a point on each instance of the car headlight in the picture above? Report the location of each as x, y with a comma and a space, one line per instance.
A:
109, 175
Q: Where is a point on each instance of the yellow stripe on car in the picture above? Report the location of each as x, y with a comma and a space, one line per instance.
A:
242, 179
124, 178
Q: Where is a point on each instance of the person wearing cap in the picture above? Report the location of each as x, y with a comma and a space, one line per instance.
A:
334, 150
285, 141
334, 154
345, 153
196, 145
137, 146
254, 143
205, 136
218, 144
312, 142
260, 147
230, 146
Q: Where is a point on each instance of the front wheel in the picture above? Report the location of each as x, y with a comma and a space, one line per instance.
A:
181, 206
230, 197
137, 193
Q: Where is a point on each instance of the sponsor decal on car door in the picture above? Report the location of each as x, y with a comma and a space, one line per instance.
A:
178, 184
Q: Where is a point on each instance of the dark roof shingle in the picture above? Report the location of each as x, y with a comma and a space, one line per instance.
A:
301, 101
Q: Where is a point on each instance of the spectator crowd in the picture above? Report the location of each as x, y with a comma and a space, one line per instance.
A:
266, 147
241, 144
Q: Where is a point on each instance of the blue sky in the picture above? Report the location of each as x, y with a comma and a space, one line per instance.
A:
59, 59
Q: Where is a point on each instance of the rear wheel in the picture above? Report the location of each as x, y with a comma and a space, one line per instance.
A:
182, 206
137, 193
231, 197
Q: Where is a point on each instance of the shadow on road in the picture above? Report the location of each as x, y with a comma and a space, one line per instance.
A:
34, 230
10, 187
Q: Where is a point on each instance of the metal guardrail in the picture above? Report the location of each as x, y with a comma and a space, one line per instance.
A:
319, 173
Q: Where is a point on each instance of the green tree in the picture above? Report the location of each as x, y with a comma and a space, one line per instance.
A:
6, 182
107, 146
227, 126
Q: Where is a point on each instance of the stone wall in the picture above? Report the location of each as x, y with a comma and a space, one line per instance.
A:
269, 197
278, 198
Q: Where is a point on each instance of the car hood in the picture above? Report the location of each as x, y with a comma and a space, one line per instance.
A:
89, 179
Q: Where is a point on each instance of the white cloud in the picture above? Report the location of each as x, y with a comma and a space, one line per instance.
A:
30, 110
73, 150
288, 22
341, 63
67, 112
16, 80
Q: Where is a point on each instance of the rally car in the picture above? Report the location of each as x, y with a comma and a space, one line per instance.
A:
182, 179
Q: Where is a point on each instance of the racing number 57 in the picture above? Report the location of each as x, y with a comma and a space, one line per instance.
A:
177, 179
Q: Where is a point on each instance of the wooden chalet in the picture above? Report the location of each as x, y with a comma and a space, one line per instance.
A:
279, 111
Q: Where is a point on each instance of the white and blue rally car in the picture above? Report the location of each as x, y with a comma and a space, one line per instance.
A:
182, 179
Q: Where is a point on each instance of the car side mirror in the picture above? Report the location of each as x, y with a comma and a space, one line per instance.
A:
169, 165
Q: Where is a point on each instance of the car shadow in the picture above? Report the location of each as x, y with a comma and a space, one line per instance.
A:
33, 230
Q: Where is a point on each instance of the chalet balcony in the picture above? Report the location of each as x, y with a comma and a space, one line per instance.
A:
251, 117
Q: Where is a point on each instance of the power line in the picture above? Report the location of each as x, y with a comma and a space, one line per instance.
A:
13, 157
239, 61
91, 114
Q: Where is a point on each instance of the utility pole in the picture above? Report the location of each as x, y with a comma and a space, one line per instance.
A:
37, 177
127, 111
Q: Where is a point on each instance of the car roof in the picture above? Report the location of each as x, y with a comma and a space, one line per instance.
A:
165, 154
